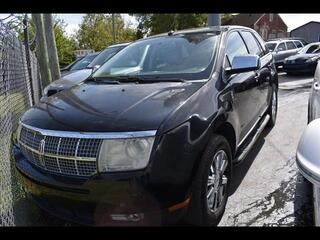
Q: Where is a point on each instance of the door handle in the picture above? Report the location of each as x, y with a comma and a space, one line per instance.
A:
256, 77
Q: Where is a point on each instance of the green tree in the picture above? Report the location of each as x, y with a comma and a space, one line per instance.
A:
65, 45
226, 19
95, 31
150, 24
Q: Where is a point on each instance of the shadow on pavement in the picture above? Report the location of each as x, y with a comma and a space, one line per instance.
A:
240, 171
283, 77
303, 202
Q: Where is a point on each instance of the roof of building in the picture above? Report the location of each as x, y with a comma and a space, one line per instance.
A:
304, 25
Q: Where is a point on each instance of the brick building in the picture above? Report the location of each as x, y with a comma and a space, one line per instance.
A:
267, 25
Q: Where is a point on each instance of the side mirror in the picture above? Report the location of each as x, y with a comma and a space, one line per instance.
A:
308, 152
279, 49
95, 68
244, 63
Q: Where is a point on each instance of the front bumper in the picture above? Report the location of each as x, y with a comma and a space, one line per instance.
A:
103, 199
300, 67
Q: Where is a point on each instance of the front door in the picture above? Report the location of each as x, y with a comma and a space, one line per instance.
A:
243, 87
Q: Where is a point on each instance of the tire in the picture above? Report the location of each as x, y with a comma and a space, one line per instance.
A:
271, 111
199, 212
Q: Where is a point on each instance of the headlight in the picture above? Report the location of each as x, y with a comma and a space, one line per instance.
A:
124, 154
313, 59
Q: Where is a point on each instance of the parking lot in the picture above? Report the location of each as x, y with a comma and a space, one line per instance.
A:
270, 192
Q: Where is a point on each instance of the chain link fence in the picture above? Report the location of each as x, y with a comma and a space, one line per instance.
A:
15, 99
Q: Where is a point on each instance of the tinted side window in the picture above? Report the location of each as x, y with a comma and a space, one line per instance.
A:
281, 47
312, 48
235, 46
262, 43
317, 50
290, 45
298, 44
252, 43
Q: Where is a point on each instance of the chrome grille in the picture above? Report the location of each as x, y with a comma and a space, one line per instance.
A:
63, 155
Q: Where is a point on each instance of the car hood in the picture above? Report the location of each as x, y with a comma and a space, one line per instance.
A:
71, 79
96, 107
301, 56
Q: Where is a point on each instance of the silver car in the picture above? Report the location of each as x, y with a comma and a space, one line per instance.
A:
76, 77
281, 49
308, 152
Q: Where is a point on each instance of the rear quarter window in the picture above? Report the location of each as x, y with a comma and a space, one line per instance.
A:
298, 44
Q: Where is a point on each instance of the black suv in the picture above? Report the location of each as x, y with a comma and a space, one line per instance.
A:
153, 135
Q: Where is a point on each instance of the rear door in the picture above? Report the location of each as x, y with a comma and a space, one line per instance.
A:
262, 76
291, 49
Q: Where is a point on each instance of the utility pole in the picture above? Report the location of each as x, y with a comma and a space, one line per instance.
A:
51, 47
26, 45
41, 47
113, 30
214, 19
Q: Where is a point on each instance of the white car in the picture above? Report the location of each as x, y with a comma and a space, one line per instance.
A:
308, 152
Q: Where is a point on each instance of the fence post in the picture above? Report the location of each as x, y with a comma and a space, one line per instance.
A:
26, 45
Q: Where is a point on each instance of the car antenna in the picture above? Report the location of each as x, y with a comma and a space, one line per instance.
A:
170, 33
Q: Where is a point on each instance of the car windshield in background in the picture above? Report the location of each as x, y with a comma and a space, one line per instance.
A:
184, 56
104, 56
83, 63
271, 46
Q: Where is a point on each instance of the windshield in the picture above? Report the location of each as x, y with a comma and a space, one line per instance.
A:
271, 46
84, 62
187, 56
105, 56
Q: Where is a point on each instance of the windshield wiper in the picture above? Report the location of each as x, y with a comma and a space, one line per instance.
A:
103, 80
133, 79
140, 79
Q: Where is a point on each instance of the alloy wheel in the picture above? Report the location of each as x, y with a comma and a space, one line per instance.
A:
217, 181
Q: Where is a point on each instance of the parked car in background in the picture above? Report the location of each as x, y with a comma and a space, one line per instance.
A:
153, 135
303, 41
282, 49
79, 64
308, 152
76, 77
305, 60
65, 69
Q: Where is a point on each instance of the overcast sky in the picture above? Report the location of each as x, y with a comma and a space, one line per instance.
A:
292, 20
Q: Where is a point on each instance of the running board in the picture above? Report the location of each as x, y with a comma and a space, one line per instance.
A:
253, 140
